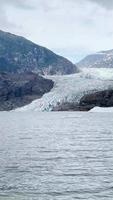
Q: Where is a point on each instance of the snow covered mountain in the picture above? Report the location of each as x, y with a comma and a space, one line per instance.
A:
71, 88
103, 59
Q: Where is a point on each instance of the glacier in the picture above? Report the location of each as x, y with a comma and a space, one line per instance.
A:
70, 88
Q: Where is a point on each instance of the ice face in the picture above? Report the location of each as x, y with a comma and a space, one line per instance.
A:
69, 88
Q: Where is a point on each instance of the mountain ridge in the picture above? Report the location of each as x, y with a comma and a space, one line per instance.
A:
18, 54
102, 59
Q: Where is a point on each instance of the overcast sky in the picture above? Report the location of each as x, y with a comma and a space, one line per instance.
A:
72, 28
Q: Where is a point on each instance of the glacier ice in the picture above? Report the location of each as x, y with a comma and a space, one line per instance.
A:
101, 109
69, 88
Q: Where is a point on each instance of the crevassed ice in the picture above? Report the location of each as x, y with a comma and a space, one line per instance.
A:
69, 88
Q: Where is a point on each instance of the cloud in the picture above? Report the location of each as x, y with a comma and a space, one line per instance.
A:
108, 4
16, 3
52, 3
71, 28
5, 23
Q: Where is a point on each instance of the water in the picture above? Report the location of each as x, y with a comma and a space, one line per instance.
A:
56, 156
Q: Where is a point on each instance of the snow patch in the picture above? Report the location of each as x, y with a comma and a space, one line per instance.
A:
101, 109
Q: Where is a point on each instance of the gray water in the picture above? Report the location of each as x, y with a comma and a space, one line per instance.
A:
56, 156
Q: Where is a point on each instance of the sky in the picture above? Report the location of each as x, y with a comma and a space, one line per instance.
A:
71, 28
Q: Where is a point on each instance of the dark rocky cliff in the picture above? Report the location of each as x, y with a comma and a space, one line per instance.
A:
17, 90
101, 99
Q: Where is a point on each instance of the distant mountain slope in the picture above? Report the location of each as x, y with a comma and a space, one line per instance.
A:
18, 54
103, 59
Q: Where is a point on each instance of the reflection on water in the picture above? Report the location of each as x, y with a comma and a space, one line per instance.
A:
56, 156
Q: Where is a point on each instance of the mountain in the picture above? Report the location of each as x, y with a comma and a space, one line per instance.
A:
18, 54
20, 89
103, 59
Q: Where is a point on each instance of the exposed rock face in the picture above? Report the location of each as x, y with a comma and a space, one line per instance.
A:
103, 59
101, 99
87, 102
18, 54
67, 106
17, 90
